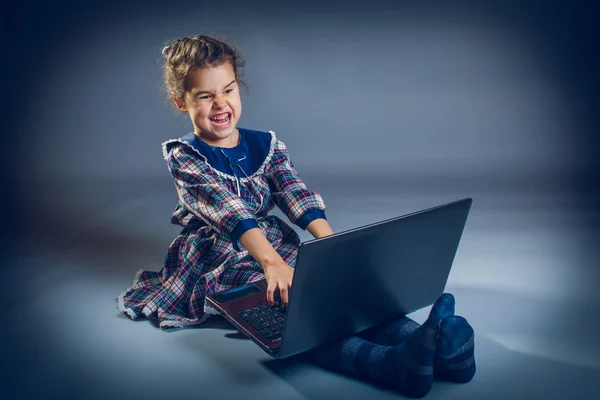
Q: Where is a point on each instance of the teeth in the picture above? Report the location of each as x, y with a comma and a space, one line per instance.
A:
220, 118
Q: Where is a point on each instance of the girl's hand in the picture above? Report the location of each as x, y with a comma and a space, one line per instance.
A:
279, 276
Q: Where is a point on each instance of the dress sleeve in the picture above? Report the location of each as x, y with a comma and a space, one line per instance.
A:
289, 192
207, 197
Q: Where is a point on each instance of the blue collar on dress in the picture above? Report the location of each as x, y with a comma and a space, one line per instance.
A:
249, 154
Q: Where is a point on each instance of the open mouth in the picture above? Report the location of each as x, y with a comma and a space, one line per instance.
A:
221, 120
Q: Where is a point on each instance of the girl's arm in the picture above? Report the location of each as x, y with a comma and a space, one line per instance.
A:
260, 248
289, 192
319, 228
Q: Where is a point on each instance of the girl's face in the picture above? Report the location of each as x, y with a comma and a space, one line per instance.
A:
212, 99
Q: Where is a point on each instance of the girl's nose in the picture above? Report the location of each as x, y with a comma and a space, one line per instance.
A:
219, 103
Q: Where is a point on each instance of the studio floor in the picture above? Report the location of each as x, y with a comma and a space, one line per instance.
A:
521, 277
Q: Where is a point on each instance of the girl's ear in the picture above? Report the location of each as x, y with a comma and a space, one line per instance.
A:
179, 103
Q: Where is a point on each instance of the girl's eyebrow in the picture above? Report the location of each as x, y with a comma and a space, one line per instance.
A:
206, 91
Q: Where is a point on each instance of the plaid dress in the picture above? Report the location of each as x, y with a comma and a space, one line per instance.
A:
223, 192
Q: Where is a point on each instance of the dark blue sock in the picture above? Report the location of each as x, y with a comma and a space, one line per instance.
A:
408, 367
455, 357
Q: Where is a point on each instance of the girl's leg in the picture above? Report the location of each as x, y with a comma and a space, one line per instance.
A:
454, 360
391, 333
408, 367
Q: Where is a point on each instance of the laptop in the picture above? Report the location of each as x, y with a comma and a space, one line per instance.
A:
351, 281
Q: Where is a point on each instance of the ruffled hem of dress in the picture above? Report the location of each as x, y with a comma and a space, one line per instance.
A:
165, 323
258, 173
208, 311
183, 324
121, 298
121, 306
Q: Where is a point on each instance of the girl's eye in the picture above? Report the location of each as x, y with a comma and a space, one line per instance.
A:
229, 90
205, 97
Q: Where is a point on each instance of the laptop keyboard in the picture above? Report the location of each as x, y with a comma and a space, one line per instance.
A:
266, 319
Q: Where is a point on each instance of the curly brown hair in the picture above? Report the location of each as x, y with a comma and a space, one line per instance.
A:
186, 54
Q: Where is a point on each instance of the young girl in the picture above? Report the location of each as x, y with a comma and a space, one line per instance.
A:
227, 179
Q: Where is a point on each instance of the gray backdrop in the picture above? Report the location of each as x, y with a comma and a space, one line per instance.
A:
386, 108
